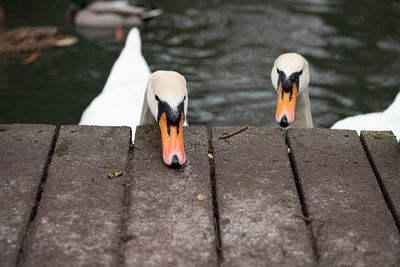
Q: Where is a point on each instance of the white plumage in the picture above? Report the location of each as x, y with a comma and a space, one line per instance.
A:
387, 120
120, 102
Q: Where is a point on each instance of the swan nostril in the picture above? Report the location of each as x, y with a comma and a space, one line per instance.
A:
175, 162
284, 121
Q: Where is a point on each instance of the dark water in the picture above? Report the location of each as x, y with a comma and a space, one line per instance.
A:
225, 49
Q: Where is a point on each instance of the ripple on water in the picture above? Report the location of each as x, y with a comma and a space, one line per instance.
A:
225, 49
188, 52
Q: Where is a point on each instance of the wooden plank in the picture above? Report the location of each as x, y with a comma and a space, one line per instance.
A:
79, 218
350, 219
24, 150
384, 152
167, 225
259, 208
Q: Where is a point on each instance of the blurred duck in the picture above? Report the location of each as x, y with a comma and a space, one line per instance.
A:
109, 14
387, 120
132, 96
2, 20
30, 39
290, 77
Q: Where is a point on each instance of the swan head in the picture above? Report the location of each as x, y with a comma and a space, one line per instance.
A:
168, 102
290, 77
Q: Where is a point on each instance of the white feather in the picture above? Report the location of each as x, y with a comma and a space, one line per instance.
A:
387, 120
120, 102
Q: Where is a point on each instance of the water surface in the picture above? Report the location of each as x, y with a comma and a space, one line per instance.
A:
225, 49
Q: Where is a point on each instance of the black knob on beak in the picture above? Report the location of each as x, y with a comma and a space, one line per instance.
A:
284, 121
287, 85
175, 162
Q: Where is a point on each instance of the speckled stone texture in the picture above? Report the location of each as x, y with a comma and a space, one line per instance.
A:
151, 215
259, 209
79, 217
24, 150
384, 151
350, 219
167, 225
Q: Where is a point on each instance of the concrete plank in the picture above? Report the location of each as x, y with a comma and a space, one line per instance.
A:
259, 208
24, 150
384, 150
167, 225
350, 219
79, 217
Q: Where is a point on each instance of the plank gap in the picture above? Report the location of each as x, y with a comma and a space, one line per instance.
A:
126, 202
218, 245
384, 191
38, 196
300, 193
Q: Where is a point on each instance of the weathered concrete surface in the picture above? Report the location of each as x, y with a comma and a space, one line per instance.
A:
350, 219
79, 217
384, 150
167, 225
259, 208
24, 150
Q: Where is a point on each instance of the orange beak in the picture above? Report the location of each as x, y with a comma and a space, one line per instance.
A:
286, 105
172, 142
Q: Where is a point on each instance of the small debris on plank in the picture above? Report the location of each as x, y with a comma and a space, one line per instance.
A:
200, 197
210, 156
115, 174
288, 150
234, 133
68, 159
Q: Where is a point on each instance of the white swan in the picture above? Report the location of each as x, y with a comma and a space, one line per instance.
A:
290, 77
387, 120
131, 97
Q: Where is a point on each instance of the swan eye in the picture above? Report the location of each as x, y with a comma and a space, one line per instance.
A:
301, 72
157, 98
277, 70
184, 98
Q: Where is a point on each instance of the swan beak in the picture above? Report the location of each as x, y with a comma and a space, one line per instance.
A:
286, 105
172, 142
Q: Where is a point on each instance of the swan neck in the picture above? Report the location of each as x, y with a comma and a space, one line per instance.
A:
146, 117
303, 117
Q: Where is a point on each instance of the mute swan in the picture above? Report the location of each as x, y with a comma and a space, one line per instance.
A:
290, 71
290, 77
105, 14
126, 100
387, 120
